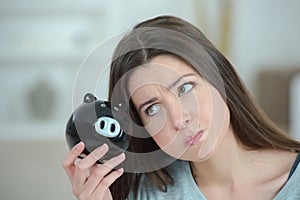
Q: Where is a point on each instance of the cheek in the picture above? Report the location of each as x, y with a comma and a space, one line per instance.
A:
170, 143
219, 109
212, 109
160, 131
204, 111
155, 125
204, 105
162, 139
217, 127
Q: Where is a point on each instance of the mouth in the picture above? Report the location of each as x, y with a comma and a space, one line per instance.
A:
194, 139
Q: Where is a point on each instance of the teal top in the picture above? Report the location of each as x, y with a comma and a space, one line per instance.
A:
185, 187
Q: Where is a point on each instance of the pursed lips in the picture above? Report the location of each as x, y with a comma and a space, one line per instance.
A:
193, 139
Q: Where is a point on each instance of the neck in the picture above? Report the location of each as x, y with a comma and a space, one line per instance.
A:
230, 164
236, 170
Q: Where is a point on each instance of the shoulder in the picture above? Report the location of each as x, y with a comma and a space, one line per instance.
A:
183, 188
291, 190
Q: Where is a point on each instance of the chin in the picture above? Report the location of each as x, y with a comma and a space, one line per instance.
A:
192, 154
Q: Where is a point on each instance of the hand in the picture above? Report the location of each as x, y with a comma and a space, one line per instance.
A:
90, 180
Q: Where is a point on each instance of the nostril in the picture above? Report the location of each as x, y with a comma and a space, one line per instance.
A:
182, 123
102, 124
112, 128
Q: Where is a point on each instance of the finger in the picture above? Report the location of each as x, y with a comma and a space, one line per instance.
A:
84, 165
69, 160
107, 181
94, 167
101, 171
113, 162
89, 172
95, 155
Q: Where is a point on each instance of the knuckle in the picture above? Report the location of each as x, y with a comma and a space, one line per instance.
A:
64, 164
75, 191
99, 172
81, 197
106, 182
81, 166
109, 165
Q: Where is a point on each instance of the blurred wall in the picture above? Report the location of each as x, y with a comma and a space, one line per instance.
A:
43, 45
264, 35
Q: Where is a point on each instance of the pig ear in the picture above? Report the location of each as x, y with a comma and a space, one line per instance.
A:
89, 97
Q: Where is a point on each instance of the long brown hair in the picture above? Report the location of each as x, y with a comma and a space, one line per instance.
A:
252, 128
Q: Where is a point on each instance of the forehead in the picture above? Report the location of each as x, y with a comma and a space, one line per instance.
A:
162, 70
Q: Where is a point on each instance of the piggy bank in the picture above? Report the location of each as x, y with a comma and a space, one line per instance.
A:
93, 123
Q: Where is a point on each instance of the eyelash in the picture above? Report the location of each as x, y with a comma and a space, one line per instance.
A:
179, 94
192, 84
151, 106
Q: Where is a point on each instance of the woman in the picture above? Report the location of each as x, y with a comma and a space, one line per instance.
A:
195, 109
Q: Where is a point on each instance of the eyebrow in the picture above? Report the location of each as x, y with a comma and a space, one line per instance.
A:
147, 102
169, 88
178, 80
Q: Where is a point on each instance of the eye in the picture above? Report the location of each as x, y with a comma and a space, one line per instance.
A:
185, 88
153, 109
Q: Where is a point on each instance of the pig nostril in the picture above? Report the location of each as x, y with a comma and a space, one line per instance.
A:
107, 127
102, 124
112, 128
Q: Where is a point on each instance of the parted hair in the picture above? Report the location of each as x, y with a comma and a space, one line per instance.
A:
252, 128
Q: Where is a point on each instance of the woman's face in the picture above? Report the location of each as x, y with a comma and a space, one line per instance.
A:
185, 115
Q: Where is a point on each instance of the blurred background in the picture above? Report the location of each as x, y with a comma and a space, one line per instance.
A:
43, 44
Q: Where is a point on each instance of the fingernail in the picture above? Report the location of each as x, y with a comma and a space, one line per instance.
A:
121, 156
78, 146
121, 170
97, 153
102, 148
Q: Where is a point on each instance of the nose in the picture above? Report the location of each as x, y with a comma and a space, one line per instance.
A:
179, 115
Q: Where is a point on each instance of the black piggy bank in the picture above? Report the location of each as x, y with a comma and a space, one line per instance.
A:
93, 123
